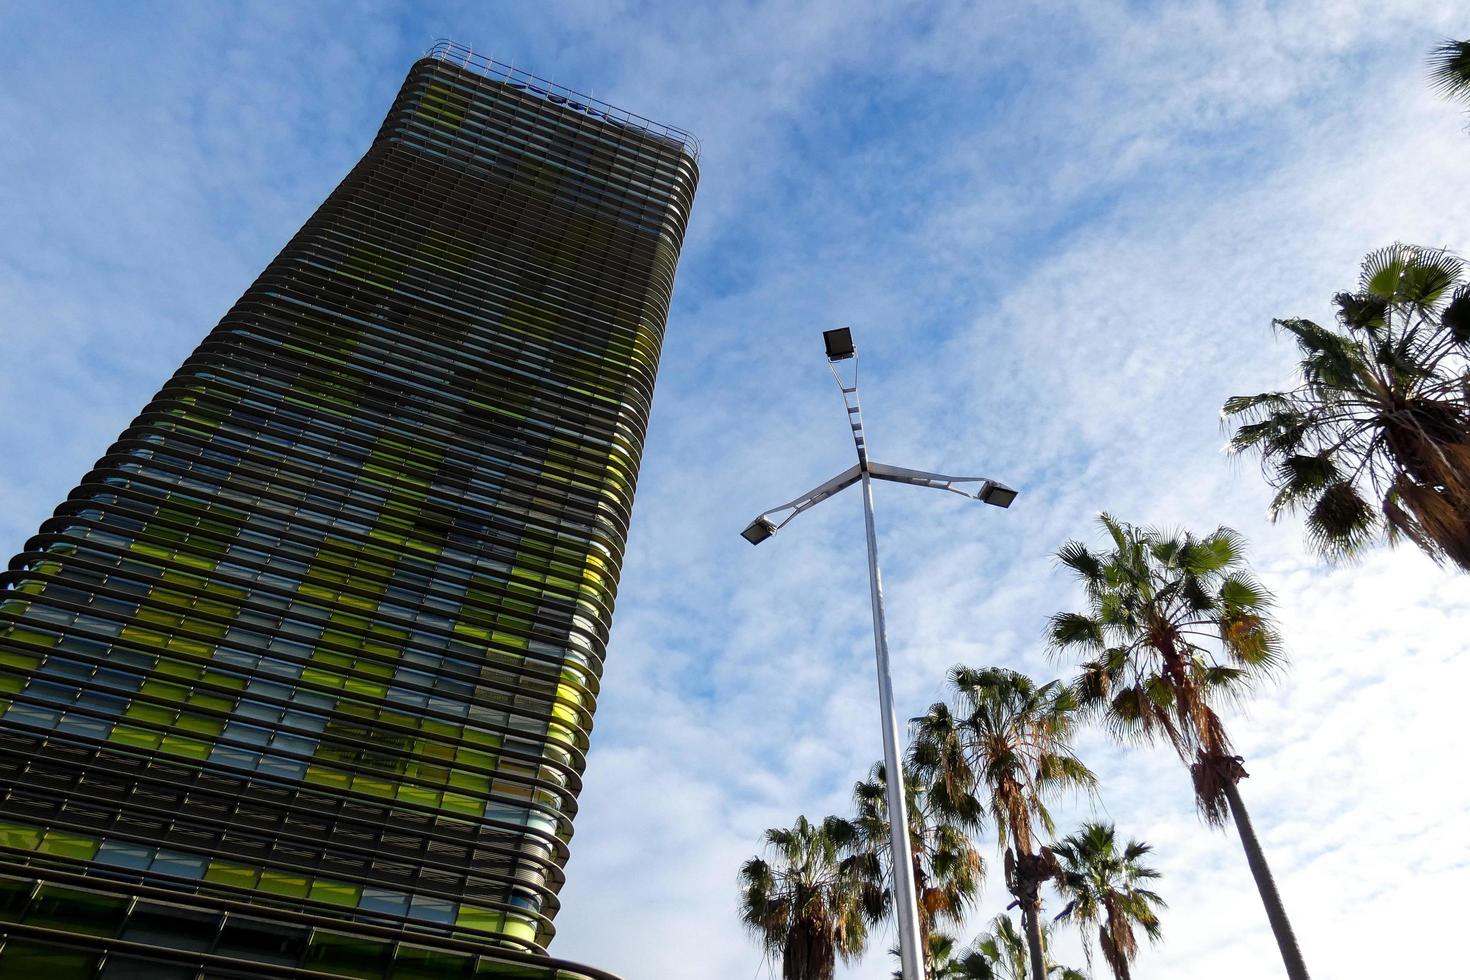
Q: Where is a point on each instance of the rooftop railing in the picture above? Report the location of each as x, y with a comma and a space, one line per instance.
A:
458, 54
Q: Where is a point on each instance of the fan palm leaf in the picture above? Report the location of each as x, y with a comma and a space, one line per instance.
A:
1374, 440
1449, 70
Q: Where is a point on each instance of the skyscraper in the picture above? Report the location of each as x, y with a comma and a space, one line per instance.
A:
301, 675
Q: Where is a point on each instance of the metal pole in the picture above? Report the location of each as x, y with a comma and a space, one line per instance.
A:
841, 348
906, 908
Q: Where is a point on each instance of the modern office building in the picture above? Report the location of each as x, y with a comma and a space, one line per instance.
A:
298, 681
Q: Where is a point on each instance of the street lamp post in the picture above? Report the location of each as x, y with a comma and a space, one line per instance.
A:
840, 348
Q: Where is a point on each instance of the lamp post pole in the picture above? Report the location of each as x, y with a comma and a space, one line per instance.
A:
840, 348
906, 906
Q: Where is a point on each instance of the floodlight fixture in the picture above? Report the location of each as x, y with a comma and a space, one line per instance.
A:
839, 344
841, 348
996, 494
758, 531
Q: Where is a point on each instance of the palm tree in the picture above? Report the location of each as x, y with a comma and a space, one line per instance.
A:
1176, 628
810, 904
1376, 436
1105, 888
945, 960
1449, 70
948, 869
1007, 740
1004, 951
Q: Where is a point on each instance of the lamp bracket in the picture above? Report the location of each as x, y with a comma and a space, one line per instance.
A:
921, 478
816, 495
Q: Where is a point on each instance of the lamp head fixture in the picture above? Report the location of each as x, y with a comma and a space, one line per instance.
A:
839, 344
758, 531
996, 494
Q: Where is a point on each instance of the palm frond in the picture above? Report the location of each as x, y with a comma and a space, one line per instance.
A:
1300, 476
1381, 271
1254, 405
1209, 790
1449, 70
1361, 312
1115, 530
1074, 555
1327, 358
1240, 592
1425, 277
1281, 432
1455, 320
1340, 522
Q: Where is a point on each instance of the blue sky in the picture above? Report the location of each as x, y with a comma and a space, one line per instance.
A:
1059, 232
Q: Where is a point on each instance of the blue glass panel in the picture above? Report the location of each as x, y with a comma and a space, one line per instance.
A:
125, 854
178, 863
384, 900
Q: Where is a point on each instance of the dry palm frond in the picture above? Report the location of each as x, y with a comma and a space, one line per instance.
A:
1210, 771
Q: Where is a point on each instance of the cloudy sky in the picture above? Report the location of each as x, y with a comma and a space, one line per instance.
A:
1059, 232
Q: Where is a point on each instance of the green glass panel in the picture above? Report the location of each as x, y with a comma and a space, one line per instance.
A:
18, 659
234, 875
36, 637
164, 691
136, 737
351, 956
284, 883
15, 895
189, 748
335, 893
65, 844
459, 803
328, 777
199, 724
520, 926
516, 971
73, 910
479, 919
419, 795
23, 959
150, 712
426, 964
19, 836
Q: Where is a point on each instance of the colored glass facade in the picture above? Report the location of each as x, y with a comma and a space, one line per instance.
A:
302, 674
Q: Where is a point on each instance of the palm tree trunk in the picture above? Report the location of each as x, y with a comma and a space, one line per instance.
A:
1291, 955
1031, 917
